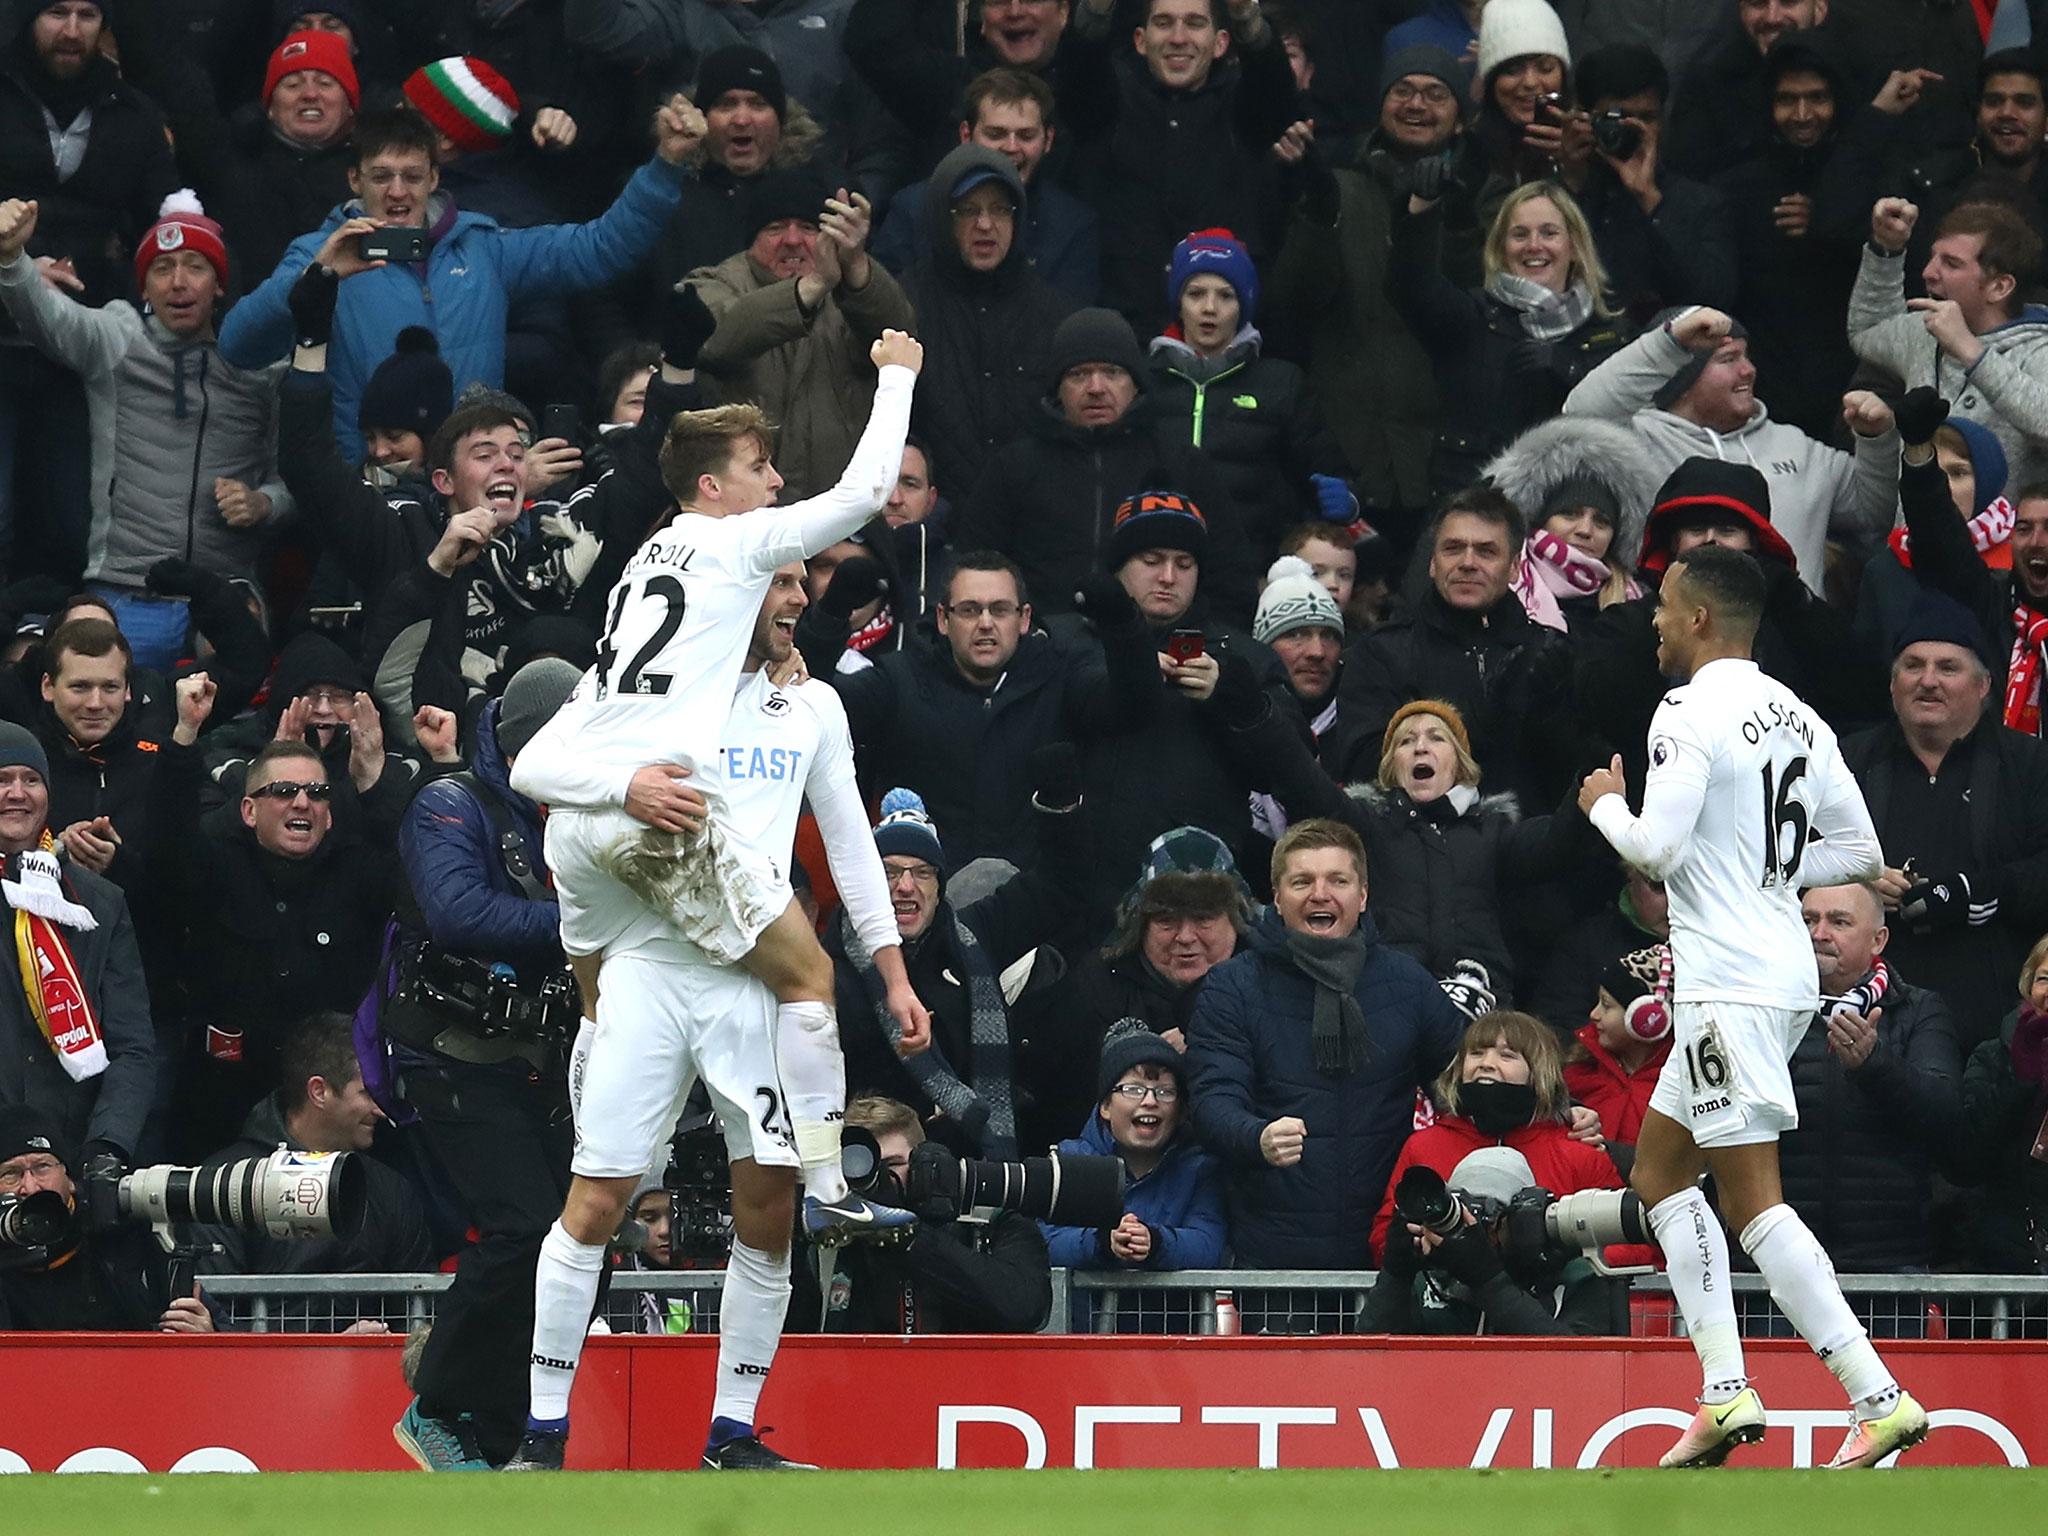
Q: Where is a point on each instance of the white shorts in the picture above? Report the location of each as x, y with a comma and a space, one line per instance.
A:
624, 887
660, 1028
1728, 1079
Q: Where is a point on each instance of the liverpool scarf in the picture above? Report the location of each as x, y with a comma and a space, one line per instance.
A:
2023, 682
50, 977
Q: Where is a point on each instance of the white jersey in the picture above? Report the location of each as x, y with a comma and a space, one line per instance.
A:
1747, 802
678, 624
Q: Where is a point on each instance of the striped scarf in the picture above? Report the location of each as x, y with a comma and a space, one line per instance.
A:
50, 978
2023, 681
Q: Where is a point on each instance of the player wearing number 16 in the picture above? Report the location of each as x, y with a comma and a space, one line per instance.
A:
1747, 799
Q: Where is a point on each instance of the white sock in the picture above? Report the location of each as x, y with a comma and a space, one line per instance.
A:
1802, 1283
564, 1291
1696, 1259
813, 1071
750, 1311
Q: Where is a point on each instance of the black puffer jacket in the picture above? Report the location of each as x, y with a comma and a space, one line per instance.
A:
986, 334
1859, 1168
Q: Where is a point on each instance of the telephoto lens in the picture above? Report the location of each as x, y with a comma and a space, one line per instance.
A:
33, 1221
1423, 1198
1071, 1189
287, 1194
1594, 1219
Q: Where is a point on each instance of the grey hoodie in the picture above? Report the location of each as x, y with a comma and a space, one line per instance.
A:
1815, 490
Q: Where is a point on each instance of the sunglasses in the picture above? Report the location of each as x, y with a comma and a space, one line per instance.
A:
285, 789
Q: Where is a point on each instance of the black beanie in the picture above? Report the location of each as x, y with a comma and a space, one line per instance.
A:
737, 67
785, 194
309, 661
1096, 336
24, 1129
412, 389
1696, 362
1157, 520
1935, 616
1129, 1043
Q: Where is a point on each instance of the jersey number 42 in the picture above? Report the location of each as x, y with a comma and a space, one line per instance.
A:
635, 679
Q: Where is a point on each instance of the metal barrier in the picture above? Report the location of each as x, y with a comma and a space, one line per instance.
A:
1309, 1301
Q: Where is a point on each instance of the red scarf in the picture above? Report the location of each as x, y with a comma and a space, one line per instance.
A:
1990, 534
50, 977
2023, 682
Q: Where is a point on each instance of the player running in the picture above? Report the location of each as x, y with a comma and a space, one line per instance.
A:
1747, 800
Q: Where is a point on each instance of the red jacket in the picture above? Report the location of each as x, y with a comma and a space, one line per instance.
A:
1619, 1097
1561, 1165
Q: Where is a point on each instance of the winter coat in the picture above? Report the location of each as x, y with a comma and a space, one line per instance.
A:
1561, 1165
1494, 380
1816, 491
111, 778
1684, 253
1620, 1098
2007, 390
812, 374
2002, 1115
1250, 1063
96, 215
1860, 1166
1548, 454
986, 335
111, 1107
1060, 236
1722, 111
1253, 416
1049, 500
1564, 994
1181, 1200
168, 417
474, 273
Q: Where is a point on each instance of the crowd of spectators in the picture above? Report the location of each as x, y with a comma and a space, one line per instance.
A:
1315, 393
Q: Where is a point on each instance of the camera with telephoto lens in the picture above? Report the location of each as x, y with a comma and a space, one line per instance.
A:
288, 1194
1539, 1230
699, 1183
487, 1000
1068, 1189
30, 1225
1617, 135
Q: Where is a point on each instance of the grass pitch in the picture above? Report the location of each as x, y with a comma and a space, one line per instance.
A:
1992, 1501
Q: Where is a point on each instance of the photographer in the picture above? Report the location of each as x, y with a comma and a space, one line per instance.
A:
91, 1278
1478, 1279
957, 1274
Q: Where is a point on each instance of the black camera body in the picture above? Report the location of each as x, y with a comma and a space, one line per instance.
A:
1533, 1229
1617, 135
487, 1000
699, 1184
1070, 1190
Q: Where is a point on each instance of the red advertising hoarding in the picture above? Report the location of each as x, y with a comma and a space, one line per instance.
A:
125, 1403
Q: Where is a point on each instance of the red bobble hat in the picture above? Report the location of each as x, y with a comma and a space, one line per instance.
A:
324, 51
182, 225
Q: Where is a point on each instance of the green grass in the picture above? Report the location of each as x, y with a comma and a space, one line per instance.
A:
1728, 1503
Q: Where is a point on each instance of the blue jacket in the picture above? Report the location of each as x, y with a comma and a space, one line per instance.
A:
469, 901
1181, 1201
474, 272
1249, 1064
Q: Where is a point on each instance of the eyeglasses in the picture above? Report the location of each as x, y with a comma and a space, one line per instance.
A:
1134, 1093
1401, 93
286, 789
972, 612
411, 180
330, 698
995, 213
44, 1168
923, 874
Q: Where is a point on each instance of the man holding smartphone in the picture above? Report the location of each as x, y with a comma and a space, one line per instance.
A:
406, 255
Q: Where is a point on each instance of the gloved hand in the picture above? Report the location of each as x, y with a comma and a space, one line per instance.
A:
1313, 185
1103, 602
855, 584
1943, 902
1919, 413
579, 546
1334, 501
1424, 178
101, 1166
1055, 770
1468, 1255
1531, 356
311, 302
686, 324
172, 577
1470, 988
1402, 1256
1238, 698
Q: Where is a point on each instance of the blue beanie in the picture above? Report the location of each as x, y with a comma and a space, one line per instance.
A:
1220, 252
906, 829
1987, 458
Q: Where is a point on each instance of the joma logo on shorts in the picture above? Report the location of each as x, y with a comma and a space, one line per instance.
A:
1707, 1107
741, 1368
557, 1365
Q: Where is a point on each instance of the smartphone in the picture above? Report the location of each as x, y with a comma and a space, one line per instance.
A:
1185, 644
395, 244
563, 421
1551, 106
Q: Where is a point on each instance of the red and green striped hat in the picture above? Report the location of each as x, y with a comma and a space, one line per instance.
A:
466, 99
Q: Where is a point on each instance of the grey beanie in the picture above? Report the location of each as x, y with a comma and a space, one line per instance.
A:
536, 691
1127, 1044
1425, 59
1696, 362
20, 749
1499, 1173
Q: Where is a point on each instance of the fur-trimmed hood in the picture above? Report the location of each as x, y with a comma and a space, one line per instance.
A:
1393, 801
1567, 447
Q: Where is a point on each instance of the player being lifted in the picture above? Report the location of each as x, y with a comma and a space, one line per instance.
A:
678, 627
1747, 800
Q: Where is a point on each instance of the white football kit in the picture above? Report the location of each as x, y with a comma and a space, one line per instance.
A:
1747, 802
676, 634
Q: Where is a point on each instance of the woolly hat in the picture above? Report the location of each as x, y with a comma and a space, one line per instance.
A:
906, 829
24, 1129
1425, 59
284, 12
20, 749
1514, 29
740, 68
536, 691
1987, 457
1132, 1043
1674, 388
786, 194
1157, 520
1096, 336
1712, 490
324, 51
308, 661
412, 389
1222, 254
182, 225
1575, 491
1492, 1173
465, 99
1633, 975
1937, 617
1444, 711
1293, 600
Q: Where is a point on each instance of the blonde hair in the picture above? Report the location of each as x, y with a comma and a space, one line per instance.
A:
1308, 836
1531, 1039
1585, 255
2037, 957
703, 443
1468, 766
882, 1117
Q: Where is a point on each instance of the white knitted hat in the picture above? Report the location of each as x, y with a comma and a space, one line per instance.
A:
1293, 600
1509, 29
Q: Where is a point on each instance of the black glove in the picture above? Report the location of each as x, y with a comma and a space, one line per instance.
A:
1313, 185
1402, 1256
101, 1168
311, 302
1424, 178
686, 324
855, 584
1468, 1255
172, 577
1055, 770
1531, 356
1940, 903
1103, 602
1238, 698
1919, 413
